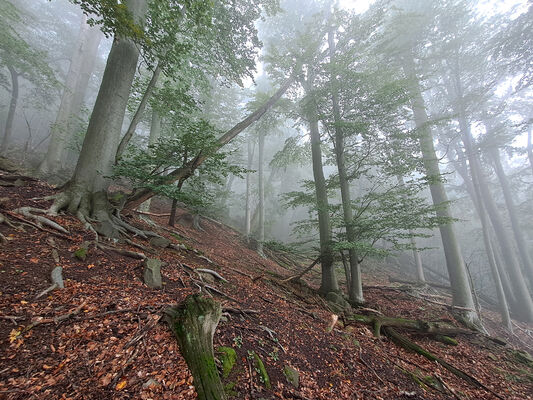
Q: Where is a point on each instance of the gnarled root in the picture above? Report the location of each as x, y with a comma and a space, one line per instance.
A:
39, 219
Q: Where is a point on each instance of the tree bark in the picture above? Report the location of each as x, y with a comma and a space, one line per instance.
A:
138, 113
329, 279
460, 166
155, 133
194, 323
513, 214
261, 155
8, 131
103, 133
184, 172
76, 83
530, 146
355, 292
247, 211
461, 291
475, 169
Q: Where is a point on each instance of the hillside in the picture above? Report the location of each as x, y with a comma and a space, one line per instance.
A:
104, 335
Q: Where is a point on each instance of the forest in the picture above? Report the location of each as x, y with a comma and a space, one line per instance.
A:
266, 199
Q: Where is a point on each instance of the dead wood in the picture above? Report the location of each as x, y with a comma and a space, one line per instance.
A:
127, 253
211, 272
415, 283
55, 320
194, 322
409, 345
309, 268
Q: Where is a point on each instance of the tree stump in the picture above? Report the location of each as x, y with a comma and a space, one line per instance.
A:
194, 322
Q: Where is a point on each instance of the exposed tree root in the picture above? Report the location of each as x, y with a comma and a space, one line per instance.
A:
46, 291
127, 253
211, 272
27, 212
40, 227
305, 271
54, 320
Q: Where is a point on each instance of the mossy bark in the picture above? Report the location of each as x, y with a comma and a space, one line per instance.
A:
194, 322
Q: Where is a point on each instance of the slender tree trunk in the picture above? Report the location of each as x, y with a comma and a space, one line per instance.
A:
8, 131
247, 213
461, 291
485, 199
475, 169
174, 207
68, 115
155, 133
329, 279
416, 253
355, 293
261, 155
184, 172
460, 166
530, 146
138, 114
513, 214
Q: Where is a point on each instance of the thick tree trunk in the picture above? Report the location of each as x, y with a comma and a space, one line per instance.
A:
329, 279
103, 133
194, 323
8, 131
155, 133
513, 214
261, 156
68, 115
183, 173
355, 292
247, 211
138, 114
461, 291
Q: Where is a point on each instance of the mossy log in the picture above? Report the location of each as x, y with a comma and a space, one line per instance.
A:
194, 322
409, 345
379, 322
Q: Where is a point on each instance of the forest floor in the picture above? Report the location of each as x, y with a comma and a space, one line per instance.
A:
102, 336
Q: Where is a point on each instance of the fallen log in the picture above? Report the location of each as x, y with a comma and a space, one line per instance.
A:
379, 322
409, 345
194, 322
415, 283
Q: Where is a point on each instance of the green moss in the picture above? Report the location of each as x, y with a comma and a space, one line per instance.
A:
446, 340
263, 374
292, 375
81, 253
228, 357
229, 389
523, 357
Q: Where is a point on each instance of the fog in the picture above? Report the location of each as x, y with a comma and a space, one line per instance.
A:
417, 114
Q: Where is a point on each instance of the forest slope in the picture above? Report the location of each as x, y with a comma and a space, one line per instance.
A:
102, 336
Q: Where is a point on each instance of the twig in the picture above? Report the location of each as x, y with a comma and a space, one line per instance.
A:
55, 320
46, 291
127, 253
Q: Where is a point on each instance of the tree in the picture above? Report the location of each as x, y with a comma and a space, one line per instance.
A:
22, 61
75, 87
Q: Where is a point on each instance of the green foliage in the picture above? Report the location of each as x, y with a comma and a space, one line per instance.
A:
147, 168
17, 53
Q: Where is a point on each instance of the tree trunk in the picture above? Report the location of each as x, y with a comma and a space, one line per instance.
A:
460, 166
138, 114
12, 108
261, 236
475, 169
155, 133
513, 214
194, 323
103, 133
461, 291
184, 172
355, 293
416, 253
247, 213
530, 146
329, 279
76, 83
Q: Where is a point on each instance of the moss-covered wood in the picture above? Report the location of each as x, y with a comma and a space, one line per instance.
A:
378, 322
194, 322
